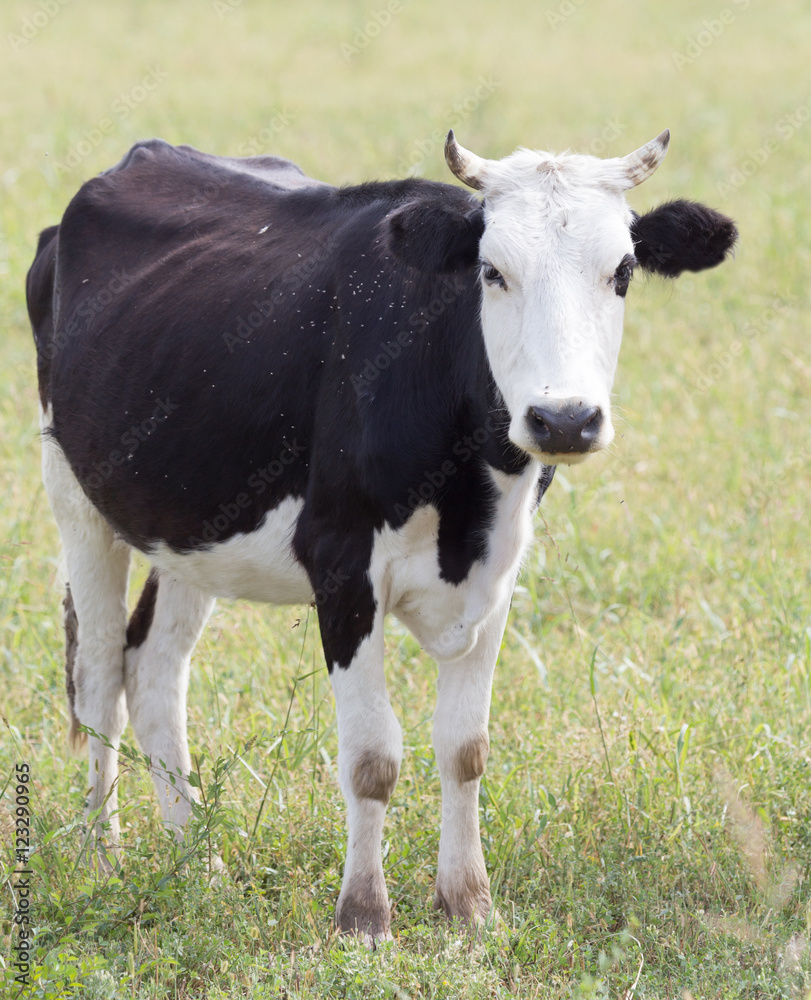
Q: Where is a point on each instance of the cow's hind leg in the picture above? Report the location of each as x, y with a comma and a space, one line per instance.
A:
461, 744
369, 752
162, 633
95, 623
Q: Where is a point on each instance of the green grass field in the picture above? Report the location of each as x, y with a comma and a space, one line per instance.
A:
646, 814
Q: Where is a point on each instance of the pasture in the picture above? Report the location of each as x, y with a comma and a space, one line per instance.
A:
646, 810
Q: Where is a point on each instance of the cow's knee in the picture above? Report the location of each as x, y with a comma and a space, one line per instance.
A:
470, 758
374, 776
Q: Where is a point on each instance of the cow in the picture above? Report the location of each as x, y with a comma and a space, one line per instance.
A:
290, 392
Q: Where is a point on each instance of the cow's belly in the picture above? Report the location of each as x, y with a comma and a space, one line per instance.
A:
445, 618
256, 566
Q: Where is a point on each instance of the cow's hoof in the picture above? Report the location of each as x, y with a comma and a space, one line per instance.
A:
366, 916
370, 928
468, 902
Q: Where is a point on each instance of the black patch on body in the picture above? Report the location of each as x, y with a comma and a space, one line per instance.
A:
141, 619
337, 562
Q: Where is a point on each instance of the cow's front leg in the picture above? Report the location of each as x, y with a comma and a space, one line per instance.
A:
461, 745
370, 748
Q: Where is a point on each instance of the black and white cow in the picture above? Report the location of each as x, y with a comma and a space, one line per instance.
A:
288, 392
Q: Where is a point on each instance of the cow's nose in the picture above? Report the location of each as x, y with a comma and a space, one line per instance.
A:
564, 426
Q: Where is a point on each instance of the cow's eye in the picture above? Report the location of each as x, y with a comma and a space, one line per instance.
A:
492, 276
623, 274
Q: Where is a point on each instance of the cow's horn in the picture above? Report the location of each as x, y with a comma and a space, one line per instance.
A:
640, 164
469, 168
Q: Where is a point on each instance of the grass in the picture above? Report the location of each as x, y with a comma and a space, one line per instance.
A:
645, 814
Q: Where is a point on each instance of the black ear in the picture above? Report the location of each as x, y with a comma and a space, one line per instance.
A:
436, 238
682, 236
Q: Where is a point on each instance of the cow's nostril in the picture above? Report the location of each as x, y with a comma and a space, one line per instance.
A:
593, 425
536, 416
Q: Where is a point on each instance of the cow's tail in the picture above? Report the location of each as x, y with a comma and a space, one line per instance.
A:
77, 739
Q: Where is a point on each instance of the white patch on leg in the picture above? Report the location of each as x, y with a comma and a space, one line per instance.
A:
370, 747
460, 741
157, 680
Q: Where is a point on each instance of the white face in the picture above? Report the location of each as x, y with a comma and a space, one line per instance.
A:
557, 256
552, 314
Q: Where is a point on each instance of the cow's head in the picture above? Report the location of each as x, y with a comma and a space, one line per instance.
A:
557, 245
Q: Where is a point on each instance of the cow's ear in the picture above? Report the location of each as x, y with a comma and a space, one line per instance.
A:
682, 236
435, 238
